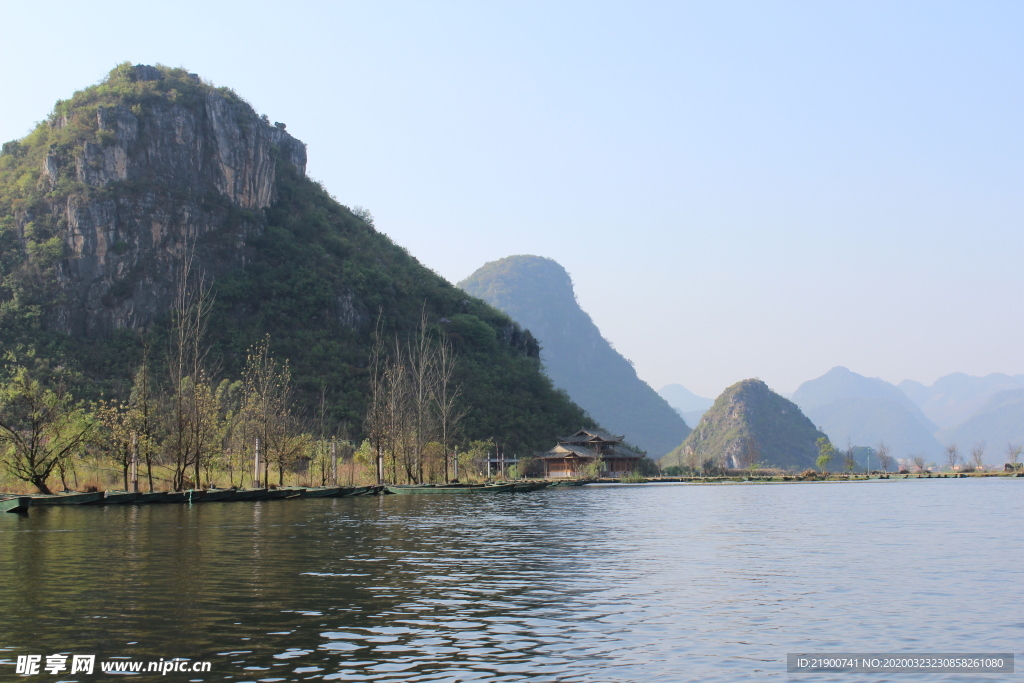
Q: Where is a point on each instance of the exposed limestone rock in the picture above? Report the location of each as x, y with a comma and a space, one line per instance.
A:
173, 174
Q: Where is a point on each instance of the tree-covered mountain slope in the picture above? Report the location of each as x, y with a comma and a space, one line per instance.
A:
104, 201
749, 423
538, 294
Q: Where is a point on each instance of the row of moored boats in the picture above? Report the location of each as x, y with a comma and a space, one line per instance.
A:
22, 503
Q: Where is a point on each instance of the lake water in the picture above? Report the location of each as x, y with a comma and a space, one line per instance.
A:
612, 583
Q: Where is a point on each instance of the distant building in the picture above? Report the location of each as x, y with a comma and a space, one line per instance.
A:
574, 453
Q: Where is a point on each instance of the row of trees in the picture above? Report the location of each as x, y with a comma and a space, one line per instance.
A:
975, 459
827, 453
413, 412
180, 420
181, 425
187, 428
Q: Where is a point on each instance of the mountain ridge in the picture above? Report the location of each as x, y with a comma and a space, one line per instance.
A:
538, 293
864, 411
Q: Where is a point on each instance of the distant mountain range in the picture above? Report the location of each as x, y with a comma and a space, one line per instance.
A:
862, 411
688, 404
913, 418
538, 293
999, 422
955, 398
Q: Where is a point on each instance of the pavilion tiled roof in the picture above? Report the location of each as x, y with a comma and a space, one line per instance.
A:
566, 450
587, 435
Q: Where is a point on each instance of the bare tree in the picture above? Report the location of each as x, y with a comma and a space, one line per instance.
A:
190, 427
446, 396
376, 413
398, 414
422, 381
919, 460
1013, 452
978, 455
142, 404
952, 456
848, 457
413, 403
885, 459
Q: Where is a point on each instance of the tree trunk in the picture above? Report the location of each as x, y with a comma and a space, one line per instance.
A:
40, 484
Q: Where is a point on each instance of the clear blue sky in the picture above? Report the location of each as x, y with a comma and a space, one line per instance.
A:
738, 189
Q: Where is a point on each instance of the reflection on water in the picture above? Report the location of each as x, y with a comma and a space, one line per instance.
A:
642, 583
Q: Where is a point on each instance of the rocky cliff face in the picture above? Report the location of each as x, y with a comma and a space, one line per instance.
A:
153, 183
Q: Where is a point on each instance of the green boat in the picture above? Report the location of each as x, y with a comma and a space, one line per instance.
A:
273, 494
175, 497
151, 497
524, 486
214, 495
570, 482
249, 494
327, 491
362, 491
17, 504
500, 488
67, 498
117, 497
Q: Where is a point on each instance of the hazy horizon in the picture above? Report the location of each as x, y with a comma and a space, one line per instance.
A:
738, 189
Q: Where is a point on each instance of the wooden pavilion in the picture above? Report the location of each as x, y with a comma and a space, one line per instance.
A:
573, 453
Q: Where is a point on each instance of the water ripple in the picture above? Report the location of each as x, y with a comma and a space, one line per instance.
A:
668, 583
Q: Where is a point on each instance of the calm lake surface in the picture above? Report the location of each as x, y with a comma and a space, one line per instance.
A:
613, 583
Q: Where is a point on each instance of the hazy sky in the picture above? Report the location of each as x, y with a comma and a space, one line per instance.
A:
738, 189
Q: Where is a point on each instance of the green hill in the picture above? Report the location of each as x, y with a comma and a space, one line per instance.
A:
749, 423
538, 294
103, 201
